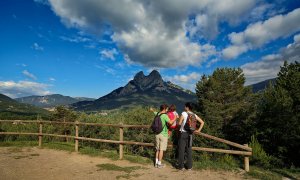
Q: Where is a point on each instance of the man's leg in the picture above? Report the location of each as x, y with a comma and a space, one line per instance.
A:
161, 154
181, 149
156, 156
163, 147
189, 162
157, 149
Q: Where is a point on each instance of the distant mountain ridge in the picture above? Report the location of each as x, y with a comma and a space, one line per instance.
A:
260, 86
8, 105
52, 100
144, 90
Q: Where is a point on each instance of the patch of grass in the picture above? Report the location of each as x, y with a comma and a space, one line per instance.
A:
225, 162
18, 143
293, 173
113, 167
113, 155
270, 174
263, 174
35, 154
20, 157
137, 159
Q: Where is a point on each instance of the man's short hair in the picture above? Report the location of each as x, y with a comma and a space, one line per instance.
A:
189, 105
163, 107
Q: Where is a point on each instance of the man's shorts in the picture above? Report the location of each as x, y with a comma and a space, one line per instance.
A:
161, 142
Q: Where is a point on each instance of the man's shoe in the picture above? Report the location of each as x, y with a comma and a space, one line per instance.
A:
161, 166
180, 168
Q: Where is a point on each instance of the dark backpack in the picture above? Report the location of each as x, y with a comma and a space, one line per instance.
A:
191, 123
157, 125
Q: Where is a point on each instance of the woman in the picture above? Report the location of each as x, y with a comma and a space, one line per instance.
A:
173, 115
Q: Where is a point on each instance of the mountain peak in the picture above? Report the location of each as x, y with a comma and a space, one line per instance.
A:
139, 76
147, 82
155, 75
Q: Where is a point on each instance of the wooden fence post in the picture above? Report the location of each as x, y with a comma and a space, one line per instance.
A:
76, 136
40, 133
121, 145
246, 161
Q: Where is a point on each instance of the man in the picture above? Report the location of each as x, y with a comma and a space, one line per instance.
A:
161, 139
185, 139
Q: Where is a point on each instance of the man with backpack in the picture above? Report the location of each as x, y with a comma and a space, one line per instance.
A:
187, 122
160, 128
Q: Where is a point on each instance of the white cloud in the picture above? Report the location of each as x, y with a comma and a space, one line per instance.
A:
186, 78
108, 54
153, 33
76, 39
214, 12
52, 79
29, 75
265, 10
106, 69
213, 61
187, 81
260, 33
23, 88
44, 2
297, 38
152, 48
23, 65
268, 66
234, 51
37, 47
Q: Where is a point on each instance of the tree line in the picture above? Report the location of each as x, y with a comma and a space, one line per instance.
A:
269, 117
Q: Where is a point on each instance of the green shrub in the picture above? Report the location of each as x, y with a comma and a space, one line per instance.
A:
259, 156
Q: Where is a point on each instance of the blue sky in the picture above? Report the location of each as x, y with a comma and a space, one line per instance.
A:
89, 48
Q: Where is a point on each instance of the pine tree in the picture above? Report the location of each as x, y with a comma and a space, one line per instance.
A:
221, 96
278, 122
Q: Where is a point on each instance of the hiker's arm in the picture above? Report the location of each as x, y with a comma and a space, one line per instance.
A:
152, 110
180, 120
201, 123
171, 121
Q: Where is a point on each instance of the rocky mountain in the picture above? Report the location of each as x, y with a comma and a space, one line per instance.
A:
11, 106
262, 85
144, 90
53, 100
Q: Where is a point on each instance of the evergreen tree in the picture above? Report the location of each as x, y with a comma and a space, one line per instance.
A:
221, 97
278, 123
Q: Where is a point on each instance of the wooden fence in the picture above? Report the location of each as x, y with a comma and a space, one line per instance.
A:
245, 150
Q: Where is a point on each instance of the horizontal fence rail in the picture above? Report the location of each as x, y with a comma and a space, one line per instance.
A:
246, 151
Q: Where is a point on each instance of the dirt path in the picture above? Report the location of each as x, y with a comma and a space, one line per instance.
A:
35, 163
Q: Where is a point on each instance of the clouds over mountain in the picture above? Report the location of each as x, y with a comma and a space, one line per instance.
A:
153, 33
23, 88
269, 65
260, 33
